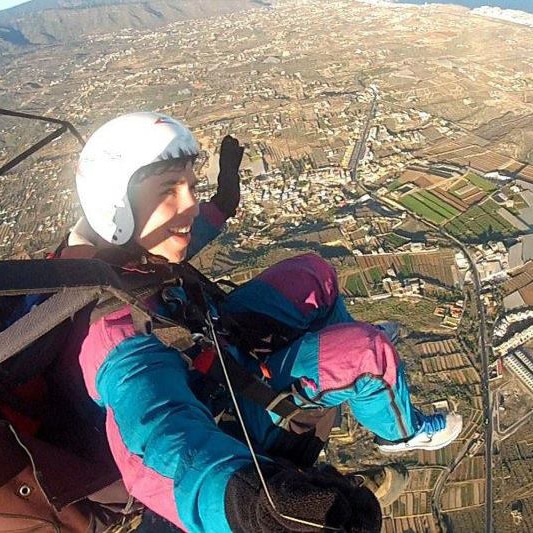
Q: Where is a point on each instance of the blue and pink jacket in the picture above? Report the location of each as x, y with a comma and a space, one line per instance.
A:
170, 452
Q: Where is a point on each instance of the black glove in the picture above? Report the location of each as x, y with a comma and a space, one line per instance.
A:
324, 498
229, 192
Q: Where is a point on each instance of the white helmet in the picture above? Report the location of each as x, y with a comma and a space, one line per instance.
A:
110, 158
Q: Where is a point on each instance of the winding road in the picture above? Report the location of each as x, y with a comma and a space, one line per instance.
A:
483, 346
484, 352
487, 404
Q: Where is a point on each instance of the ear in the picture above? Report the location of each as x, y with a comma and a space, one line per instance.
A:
124, 222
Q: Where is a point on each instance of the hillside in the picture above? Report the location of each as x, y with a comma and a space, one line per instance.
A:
42, 22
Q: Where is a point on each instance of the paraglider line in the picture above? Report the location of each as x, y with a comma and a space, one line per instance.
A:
213, 335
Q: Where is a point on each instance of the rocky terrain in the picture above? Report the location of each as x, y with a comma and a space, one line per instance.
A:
44, 22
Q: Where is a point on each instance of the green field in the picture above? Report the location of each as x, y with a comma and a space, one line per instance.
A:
414, 204
480, 223
395, 240
439, 204
429, 206
356, 286
480, 182
375, 275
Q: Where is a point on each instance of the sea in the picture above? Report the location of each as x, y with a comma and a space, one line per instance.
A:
520, 5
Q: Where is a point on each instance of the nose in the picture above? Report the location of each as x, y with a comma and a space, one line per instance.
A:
189, 203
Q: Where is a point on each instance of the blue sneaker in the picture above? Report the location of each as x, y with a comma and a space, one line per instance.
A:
435, 432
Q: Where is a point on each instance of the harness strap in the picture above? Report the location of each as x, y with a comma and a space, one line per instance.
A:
80, 282
40, 276
109, 303
43, 318
275, 402
76, 283
253, 388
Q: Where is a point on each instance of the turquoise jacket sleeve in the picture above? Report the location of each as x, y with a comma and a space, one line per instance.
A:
172, 456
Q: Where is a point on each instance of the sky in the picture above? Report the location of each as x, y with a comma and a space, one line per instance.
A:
5, 4
508, 4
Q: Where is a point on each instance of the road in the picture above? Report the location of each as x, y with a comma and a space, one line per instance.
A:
364, 137
487, 405
484, 351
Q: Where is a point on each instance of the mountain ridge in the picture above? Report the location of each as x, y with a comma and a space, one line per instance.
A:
45, 22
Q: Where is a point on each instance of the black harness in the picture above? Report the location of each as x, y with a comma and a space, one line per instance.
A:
72, 285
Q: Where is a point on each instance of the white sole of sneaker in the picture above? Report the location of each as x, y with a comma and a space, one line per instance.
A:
403, 447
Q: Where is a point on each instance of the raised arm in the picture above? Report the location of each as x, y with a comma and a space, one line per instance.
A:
224, 203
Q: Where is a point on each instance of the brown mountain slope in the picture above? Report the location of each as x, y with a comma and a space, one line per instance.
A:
50, 21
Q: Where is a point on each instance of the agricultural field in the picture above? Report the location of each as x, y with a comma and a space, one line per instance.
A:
437, 267
393, 241
480, 182
445, 202
414, 204
375, 275
430, 206
355, 286
481, 223
467, 192
415, 315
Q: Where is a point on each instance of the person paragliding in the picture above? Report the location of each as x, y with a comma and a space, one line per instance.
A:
136, 184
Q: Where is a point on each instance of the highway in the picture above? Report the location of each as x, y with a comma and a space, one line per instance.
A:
364, 137
484, 350
487, 404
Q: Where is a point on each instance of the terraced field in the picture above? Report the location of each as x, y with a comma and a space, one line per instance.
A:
433, 266
428, 205
480, 222
480, 182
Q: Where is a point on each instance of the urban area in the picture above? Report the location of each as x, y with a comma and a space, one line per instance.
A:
396, 142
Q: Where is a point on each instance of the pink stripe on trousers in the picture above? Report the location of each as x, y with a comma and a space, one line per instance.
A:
349, 351
152, 489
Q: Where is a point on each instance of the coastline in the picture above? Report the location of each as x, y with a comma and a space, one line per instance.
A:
508, 15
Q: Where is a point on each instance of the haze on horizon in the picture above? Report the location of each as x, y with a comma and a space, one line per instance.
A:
521, 5
6, 4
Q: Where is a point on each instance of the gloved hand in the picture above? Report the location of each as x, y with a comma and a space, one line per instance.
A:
321, 497
229, 192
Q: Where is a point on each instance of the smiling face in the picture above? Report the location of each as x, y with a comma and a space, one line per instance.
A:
165, 206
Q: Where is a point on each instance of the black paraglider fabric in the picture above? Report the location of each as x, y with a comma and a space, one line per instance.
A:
323, 497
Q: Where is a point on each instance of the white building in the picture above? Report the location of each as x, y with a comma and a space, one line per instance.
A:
521, 365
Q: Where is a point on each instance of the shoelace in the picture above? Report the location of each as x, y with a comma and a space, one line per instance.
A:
433, 424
